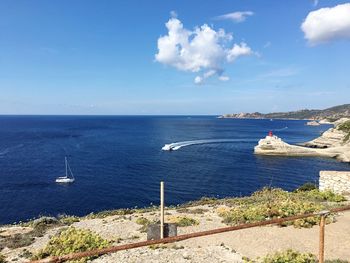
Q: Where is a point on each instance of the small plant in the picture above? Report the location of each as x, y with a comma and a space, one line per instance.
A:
72, 240
290, 256
336, 261
68, 220
26, 254
144, 222
306, 187
183, 221
327, 195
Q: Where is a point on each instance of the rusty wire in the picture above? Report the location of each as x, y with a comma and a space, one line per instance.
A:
99, 252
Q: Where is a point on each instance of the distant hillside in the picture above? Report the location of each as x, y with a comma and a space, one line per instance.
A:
332, 114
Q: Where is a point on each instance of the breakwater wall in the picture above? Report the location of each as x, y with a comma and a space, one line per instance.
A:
338, 182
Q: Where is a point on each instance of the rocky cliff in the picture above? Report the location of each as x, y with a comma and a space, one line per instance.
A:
333, 113
332, 143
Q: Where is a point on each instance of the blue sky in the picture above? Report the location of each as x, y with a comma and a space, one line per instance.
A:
99, 57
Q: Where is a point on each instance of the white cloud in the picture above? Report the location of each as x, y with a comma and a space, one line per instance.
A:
327, 24
198, 80
224, 78
201, 50
237, 51
173, 14
236, 16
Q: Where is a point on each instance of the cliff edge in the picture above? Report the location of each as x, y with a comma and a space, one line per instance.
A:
333, 143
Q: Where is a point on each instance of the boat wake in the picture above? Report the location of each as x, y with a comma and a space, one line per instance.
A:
178, 145
282, 129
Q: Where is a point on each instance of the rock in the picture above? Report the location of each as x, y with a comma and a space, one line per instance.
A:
272, 145
330, 138
338, 182
313, 123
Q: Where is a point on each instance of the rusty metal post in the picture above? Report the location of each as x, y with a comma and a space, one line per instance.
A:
323, 215
162, 210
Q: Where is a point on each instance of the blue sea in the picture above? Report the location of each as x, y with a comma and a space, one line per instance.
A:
118, 162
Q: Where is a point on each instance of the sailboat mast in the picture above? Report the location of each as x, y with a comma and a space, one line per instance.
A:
65, 161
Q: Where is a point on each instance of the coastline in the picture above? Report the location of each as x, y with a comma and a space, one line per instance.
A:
333, 143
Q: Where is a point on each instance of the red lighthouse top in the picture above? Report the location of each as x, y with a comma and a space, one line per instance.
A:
270, 133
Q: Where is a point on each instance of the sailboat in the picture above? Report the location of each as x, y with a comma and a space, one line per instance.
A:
66, 179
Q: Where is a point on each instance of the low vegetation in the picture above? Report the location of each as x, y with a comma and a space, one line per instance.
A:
39, 226
277, 203
345, 127
183, 221
72, 240
144, 222
291, 256
68, 220
192, 211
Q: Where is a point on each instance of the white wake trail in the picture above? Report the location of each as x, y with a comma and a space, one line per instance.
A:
178, 145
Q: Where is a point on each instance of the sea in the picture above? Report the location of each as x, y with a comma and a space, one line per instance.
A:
118, 161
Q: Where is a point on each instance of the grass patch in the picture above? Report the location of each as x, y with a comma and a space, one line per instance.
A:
277, 203
345, 127
144, 222
40, 226
72, 240
192, 211
290, 256
183, 221
68, 220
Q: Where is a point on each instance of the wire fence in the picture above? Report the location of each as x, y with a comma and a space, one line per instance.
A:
99, 252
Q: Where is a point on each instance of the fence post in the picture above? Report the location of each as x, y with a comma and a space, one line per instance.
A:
161, 209
323, 215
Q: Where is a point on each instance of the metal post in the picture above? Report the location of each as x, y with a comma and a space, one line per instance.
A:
162, 210
323, 215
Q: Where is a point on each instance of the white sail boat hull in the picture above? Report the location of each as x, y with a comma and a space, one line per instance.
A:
66, 179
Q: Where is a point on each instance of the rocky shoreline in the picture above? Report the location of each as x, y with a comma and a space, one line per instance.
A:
327, 115
333, 143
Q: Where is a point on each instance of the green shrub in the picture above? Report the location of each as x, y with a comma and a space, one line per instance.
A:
336, 261
345, 127
290, 256
144, 222
183, 221
327, 195
276, 203
72, 240
306, 187
68, 220
192, 211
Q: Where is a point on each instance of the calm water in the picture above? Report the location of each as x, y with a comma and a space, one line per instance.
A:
118, 162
